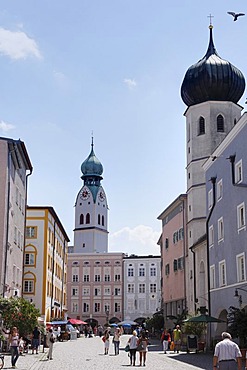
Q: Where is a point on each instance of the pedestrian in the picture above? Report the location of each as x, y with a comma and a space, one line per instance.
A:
142, 347
116, 340
106, 340
227, 354
177, 336
50, 341
14, 346
35, 340
165, 339
133, 346
21, 346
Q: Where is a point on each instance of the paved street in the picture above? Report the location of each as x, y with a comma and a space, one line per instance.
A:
87, 353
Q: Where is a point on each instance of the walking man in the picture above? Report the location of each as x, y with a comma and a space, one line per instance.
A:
227, 354
177, 337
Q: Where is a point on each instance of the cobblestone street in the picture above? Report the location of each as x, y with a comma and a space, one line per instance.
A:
88, 353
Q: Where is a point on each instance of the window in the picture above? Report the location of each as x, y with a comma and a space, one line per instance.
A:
74, 291
152, 271
103, 221
212, 277
166, 243
86, 291
241, 276
87, 218
117, 291
220, 229
98, 219
117, 277
107, 277
85, 307
86, 278
181, 234
210, 198
201, 130
241, 216
29, 259
220, 123
219, 190
75, 278
117, 307
96, 277
175, 265
180, 263
28, 286
107, 291
96, 307
130, 271
141, 288
167, 269
130, 288
222, 273
175, 237
31, 232
81, 219
211, 235
238, 172
141, 271
74, 307
97, 291
153, 288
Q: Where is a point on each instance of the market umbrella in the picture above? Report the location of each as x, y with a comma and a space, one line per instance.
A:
127, 323
77, 322
203, 318
114, 325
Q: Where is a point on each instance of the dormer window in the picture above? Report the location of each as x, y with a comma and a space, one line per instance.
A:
201, 130
220, 123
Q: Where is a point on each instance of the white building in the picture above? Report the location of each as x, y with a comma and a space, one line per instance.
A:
142, 286
15, 167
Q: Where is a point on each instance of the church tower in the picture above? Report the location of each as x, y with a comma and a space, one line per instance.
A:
211, 90
91, 210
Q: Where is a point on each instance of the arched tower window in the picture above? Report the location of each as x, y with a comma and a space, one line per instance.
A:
87, 218
201, 130
220, 123
103, 221
98, 219
81, 219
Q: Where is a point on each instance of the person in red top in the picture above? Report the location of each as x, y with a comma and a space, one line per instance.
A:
165, 339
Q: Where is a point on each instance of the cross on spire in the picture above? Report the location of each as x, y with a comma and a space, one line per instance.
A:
210, 16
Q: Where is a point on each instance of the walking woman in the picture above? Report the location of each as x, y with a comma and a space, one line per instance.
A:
133, 346
165, 340
116, 340
50, 340
142, 347
14, 346
106, 341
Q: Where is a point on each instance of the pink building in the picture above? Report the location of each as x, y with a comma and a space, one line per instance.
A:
173, 256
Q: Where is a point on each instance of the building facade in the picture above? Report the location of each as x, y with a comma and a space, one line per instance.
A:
226, 189
142, 287
173, 255
45, 262
15, 167
211, 90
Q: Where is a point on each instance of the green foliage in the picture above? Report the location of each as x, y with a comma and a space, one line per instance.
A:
195, 328
237, 325
156, 322
20, 313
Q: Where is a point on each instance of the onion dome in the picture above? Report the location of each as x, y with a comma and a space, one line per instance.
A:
212, 78
92, 166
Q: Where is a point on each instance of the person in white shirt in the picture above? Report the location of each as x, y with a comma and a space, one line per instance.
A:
227, 354
133, 346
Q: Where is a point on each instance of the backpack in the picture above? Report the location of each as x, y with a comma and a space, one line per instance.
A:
52, 339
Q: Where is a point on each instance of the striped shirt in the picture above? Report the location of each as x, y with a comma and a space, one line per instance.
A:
227, 350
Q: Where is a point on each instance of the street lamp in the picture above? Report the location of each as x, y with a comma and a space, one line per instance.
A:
239, 296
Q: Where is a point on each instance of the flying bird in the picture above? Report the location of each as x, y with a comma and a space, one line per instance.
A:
235, 15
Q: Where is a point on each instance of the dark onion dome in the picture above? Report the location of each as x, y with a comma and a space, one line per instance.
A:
92, 166
212, 78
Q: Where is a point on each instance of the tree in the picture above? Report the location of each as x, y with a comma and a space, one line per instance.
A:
20, 313
237, 325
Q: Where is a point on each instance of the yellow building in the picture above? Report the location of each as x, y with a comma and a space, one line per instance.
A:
45, 262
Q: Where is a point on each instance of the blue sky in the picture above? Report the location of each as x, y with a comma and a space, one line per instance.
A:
113, 67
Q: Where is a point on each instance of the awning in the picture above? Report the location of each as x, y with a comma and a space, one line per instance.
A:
57, 323
77, 322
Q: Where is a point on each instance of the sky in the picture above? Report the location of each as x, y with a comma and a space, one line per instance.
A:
114, 68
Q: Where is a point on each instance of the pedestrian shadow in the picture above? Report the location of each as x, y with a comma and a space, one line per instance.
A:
201, 360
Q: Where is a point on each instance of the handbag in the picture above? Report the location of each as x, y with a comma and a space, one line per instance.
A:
104, 339
127, 348
140, 347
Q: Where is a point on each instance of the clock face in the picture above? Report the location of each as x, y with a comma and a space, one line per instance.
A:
85, 194
101, 195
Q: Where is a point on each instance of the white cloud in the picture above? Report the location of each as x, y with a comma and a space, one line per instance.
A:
61, 80
130, 83
17, 45
4, 126
141, 240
